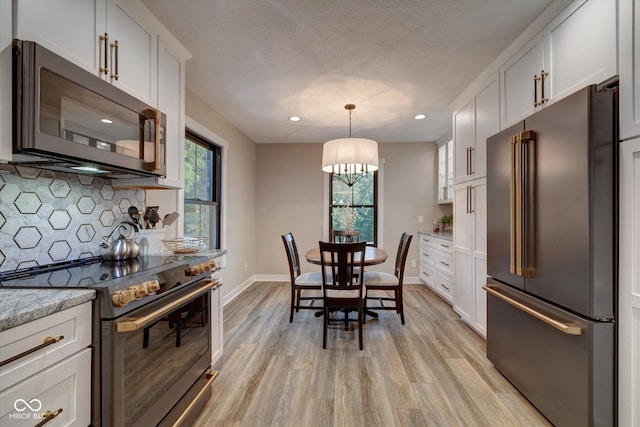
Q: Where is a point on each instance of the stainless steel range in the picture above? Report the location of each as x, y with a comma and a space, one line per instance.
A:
152, 333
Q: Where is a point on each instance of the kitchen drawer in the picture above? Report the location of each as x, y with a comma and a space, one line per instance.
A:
427, 274
426, 240
444, 261
73, 324
427, 254
444, 286
66, 386
443, 245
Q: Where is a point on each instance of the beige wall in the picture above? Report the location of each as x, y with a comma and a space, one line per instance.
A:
289, 197
239, 191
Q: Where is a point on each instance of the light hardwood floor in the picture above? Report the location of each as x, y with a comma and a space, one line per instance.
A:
432, 371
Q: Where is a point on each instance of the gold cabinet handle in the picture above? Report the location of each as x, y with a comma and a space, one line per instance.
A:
134, 323
48, 416
46, 342
536, 79
565, 328
102, 46
114, 63
543, 74
471, 171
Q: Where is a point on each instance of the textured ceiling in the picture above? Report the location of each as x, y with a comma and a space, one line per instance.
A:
257, 62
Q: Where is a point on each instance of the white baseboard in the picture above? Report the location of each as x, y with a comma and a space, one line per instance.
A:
272, 277
237, 291
284, 278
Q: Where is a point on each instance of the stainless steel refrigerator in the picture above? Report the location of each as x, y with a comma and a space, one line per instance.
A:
552, 257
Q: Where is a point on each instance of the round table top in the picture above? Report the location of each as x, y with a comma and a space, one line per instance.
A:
372, 256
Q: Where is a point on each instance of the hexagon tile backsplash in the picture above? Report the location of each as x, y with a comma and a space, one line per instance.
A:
47, 216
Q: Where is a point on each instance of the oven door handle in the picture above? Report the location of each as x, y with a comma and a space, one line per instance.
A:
130, 324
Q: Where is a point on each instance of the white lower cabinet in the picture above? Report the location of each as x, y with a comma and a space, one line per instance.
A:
53, 381
216, 324
470, 253
629, 285
436, 264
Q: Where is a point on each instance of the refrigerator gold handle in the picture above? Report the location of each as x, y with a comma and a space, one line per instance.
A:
565, 328
526, 199
512, 208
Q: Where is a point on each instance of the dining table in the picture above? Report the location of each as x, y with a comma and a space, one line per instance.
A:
372, 256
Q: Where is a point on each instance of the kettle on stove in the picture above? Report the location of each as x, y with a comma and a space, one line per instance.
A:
122, 247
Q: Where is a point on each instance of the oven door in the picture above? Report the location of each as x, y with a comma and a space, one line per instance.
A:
153, 356
66, 116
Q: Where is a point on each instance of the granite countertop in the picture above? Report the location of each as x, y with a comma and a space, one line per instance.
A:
440, 235
18, 306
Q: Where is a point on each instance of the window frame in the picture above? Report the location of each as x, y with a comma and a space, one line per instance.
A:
374, 206
215, 197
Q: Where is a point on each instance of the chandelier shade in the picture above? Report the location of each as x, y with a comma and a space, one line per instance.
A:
350, 158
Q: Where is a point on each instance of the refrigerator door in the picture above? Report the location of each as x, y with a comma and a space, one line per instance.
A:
573, 203
563, 364
498, 203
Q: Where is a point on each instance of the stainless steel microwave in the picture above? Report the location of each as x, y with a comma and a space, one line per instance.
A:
67, 119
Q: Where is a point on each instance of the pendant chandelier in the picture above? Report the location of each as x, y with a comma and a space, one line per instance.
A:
350, 159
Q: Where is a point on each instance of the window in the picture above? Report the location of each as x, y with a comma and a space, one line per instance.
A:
202, 188
355, 208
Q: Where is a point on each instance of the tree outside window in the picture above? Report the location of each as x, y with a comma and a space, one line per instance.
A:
355, 208
202, 189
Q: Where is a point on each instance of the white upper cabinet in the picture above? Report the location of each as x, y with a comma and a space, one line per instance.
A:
171, 102
67, 27
629, 42
580, 47
575, 49
445, 172
477, 120
519, 78
486, 124
112, 39
5, 81
132, 50
463, 140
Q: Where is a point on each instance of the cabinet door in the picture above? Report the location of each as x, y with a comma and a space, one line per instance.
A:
479, 198
171, 102
5, 82
580, 47
136, 54
486, 123
629, 282
69, 28
629, 40
450, 170
518, 84
463, 140
66, 386
463, 227
442, 173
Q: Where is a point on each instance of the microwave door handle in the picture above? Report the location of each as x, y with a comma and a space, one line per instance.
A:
155, 117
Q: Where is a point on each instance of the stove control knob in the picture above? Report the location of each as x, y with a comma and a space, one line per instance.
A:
117, 299
140, 290
122, 298
152, 286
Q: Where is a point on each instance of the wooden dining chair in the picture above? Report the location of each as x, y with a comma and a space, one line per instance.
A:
300, 281
341, 287
343, 236
376, 281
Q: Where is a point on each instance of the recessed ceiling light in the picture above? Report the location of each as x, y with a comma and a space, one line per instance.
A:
106, 121
294, 118
419, 116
